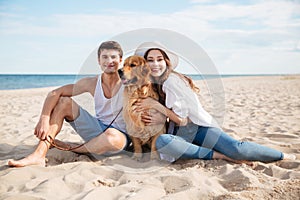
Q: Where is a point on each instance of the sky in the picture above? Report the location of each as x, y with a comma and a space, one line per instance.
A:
240, 37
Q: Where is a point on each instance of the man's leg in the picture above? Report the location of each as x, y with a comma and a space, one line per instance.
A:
112, 140
65, 108
92, 131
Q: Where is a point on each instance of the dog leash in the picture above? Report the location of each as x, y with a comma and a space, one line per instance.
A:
69, 148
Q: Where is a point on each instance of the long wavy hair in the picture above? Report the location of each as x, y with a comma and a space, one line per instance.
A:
157, 84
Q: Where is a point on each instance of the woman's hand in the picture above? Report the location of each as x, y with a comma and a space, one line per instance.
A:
146, 104
153, 117
152, 111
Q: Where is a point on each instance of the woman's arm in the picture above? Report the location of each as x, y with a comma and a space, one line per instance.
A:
148, 103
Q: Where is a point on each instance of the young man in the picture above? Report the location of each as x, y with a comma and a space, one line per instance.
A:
107, 91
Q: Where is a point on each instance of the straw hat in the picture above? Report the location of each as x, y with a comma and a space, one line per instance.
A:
142, 48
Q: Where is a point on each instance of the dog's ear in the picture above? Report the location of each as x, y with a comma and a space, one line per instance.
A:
145, 68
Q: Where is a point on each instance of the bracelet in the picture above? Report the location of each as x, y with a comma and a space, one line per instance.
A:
168, 119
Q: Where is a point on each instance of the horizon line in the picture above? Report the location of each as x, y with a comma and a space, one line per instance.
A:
182, 73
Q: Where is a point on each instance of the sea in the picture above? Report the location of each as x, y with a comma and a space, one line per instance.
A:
26, 81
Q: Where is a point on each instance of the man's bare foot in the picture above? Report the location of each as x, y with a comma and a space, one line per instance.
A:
287, 156
32, 159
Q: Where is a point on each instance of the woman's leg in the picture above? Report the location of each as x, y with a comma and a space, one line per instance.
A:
216, 139
177, 147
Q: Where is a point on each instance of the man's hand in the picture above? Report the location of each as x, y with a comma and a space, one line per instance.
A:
42, 128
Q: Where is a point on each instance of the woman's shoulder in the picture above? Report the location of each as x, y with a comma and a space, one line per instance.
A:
173, 78
174, 82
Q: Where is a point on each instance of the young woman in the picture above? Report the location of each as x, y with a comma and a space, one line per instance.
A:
196, 135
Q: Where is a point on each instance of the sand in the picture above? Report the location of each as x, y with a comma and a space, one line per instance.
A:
265, 110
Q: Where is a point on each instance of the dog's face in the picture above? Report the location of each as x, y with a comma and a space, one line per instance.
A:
135, 71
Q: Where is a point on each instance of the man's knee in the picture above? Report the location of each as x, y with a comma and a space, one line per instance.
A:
115, 138
64, 102
68, 108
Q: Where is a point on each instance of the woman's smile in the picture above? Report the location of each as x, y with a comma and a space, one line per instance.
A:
157, 63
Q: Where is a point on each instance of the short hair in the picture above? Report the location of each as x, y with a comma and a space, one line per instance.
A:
110, 45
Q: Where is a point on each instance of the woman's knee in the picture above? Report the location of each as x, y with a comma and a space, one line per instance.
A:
163, 140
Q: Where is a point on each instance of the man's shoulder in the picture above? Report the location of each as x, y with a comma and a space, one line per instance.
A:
92, 77
88, 84
89, 79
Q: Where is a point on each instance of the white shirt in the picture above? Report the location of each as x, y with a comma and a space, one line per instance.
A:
107, 109
184, 101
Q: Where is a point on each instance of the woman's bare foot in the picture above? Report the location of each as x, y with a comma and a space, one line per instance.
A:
218, 155
32, 159
287, 156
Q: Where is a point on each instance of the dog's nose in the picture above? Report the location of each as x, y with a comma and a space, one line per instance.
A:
120, 72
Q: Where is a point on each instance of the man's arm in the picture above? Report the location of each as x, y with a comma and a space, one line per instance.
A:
82, 86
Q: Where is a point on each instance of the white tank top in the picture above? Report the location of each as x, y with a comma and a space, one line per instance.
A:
107, 109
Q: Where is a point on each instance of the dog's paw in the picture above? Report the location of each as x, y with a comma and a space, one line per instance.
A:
154, 156
137, 156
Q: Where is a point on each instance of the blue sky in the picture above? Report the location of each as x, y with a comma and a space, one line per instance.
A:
56, 37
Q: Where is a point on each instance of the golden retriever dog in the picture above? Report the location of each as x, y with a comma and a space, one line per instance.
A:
135, 75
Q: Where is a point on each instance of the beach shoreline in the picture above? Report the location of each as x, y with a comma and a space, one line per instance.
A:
262, 109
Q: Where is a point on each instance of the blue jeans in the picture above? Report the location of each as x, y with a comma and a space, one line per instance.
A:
197, 142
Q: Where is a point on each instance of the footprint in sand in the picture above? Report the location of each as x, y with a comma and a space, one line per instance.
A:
289, 164
173, 184
238, 180
280, 172
280, 136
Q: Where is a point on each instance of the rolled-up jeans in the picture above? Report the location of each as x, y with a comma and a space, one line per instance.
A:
198, 142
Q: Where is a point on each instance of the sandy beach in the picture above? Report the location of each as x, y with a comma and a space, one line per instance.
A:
262, 109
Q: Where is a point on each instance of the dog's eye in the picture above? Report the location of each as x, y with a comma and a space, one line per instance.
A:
132, 65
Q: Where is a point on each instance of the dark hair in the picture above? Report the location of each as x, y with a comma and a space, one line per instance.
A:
110, 45
157, 84
169, 70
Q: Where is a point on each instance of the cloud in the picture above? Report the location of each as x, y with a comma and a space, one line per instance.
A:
207, 19
224, 29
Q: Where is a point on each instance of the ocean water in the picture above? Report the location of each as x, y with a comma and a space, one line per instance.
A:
20, 81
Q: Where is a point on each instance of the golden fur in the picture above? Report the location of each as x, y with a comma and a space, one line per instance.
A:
135, 75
